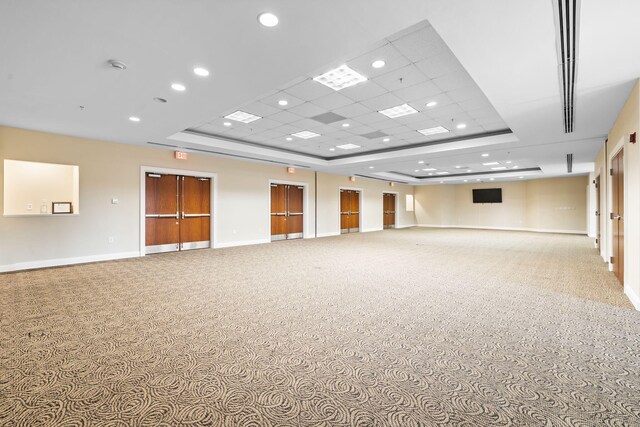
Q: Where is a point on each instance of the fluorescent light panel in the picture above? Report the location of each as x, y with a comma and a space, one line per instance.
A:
429, 169
348, 146
398, 111
499, 168
340, 78
490, 164
241, 116
433, 131
305, 134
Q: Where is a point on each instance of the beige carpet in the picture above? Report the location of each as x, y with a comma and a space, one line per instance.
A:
411, 327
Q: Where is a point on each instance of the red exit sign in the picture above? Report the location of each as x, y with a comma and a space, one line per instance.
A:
181, 155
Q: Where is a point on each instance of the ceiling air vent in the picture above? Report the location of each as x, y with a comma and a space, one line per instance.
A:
569, 163
567, 13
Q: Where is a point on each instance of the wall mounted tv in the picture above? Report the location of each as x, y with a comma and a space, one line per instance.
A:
487, 195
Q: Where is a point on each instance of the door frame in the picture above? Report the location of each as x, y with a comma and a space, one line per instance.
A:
213, 227
305, 203
609, 202
360, 202
395, 222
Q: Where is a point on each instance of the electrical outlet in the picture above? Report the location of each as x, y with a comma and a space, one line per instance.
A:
111, 239
29, 206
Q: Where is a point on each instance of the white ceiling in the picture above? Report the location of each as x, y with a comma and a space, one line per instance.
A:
496, 57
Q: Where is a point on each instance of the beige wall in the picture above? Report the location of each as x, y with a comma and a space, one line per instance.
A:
556, 204
109, 170
628, 121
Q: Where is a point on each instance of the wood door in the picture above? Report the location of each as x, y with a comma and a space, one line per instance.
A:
195, 218
389, 210
354, 211
295, 213
278, 212
617, 214
162, 229
597, 213
344, 210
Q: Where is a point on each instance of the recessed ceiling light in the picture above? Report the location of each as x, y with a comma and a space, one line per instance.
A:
345, 125
178, 86
340, 78
468, 170
477, 180
485, 155
491, 179
442, 173
378, 64
370, 167
386, 140
515, 167
268, 19
134, 119
421, 162
332, 149
289, 138
499, 168
305, 134
227, 124
458, 167
441, 182
398, 111
430, 173
241, 116
416, 170
490, 164
461, 125
508, 162
465, 180
432, 104
433, 131
283, 102
347, 146
521, 177
202, 72
428, 169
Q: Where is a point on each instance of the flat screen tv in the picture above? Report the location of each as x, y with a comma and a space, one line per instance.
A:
487, 195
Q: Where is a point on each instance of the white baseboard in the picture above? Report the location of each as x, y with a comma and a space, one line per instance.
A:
405, 226
66, 261
633, 297
369, 230
482, 227
242, 243
329, 234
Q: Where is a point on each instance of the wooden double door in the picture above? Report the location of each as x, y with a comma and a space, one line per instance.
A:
287, 213
349, 211
177, 213
617, 214
389, 210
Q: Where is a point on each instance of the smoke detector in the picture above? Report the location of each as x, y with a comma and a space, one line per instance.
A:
118, 65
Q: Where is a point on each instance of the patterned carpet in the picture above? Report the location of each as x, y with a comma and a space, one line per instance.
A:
414, 327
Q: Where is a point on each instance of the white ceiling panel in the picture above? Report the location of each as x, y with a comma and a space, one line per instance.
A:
381, 102
272, 100
308, 90
401, 78
333, 101
307, 110
439, 65
421, 44
352, 110
387, 53
363, 91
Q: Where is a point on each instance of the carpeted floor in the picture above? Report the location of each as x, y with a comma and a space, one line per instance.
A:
413, 327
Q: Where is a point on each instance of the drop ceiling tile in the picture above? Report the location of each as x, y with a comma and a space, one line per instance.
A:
363, 91
401, 78
306, 124
412, 118
263, 124
352, 110
307, 110
381, 102
447, 111
272, 100
237, 132
452, 81
285, 117
417, 92
465, 94
390, 55
286, 129
474, 104
424, 43
488, 114
488, 120
259, 109
332, 101
372, 118
397, 130
309, 90
424, 124
439, 65
361, 130
409, 30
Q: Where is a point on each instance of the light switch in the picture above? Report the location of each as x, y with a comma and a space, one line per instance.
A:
29, 206
114, 201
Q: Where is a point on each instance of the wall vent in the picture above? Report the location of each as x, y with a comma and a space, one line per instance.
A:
569, 163
567, 14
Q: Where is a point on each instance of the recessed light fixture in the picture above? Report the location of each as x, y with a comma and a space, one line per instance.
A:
491, 179
227, 124
202, 72
468, 170
508, 162
428, 169
134, 119
458, 167
477, 180
465, 180
442, 173
485, 155
378, 64
345, 125
432, 104
241, 116
305, 134
416, 170
268, 19
515, 167
461, 126
289, 138
421, 162
499, 168
441, 182
522, 177
430, 173
347, 146
433, 131
340, 78
178, 86
283, 102
398, 111
332, 149
386, 139
490, 164
370, 167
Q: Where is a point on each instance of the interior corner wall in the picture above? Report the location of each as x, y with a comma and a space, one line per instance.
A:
552, 204
110, 170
